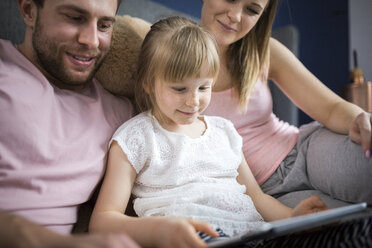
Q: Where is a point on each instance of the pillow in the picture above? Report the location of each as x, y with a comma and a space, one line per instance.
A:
118, 70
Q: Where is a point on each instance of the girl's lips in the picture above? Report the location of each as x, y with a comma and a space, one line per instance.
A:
226, 27
187, 113
81, 60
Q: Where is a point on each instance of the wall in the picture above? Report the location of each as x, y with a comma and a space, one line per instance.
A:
323, 28
324, 39
325, 44
190, 7
14, 27
151, 11
360, 26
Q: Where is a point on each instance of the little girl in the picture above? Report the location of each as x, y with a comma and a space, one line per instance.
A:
186, 171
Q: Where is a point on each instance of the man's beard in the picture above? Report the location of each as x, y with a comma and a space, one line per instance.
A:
50, 59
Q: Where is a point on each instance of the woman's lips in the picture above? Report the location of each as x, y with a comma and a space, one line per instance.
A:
226, 27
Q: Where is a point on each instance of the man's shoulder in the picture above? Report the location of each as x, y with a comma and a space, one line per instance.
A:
14, 63
6, 49
108, 96
5, 43
119, 107
5, 46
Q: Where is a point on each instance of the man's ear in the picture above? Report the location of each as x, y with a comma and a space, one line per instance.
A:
28, 10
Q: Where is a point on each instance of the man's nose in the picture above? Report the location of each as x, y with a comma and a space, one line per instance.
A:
88, 35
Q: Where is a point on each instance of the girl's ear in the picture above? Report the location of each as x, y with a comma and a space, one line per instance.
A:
28, 10
146, 88
150, 86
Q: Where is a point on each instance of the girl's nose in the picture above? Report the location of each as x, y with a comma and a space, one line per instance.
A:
192, 99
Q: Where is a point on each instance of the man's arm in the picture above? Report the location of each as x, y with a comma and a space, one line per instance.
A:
17, 232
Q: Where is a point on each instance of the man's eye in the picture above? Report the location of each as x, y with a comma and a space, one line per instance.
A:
104, 26
75, 18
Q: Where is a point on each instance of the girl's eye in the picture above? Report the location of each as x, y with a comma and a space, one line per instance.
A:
179, 89
204, 88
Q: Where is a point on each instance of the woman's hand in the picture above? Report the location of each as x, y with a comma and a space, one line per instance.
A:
310, 205
360, 132
181, 232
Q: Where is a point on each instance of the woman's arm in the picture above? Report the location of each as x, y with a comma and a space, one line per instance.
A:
315, 99
270, 208
307, 92
108, 214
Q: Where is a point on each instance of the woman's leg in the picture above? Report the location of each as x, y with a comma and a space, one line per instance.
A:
338, 167
291, 175
325, 161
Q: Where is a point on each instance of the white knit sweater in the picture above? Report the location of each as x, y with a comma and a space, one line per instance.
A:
181, 176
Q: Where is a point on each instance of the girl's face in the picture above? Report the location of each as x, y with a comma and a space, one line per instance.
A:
181, 103
231, 20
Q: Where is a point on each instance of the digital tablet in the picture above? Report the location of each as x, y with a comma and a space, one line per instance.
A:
290, 225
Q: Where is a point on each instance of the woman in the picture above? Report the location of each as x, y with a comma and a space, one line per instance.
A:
332, 156
213, 189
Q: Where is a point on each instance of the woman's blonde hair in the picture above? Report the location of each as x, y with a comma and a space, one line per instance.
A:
175, 49
247, 57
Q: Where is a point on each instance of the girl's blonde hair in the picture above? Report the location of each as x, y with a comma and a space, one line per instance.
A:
175, 49
247, 58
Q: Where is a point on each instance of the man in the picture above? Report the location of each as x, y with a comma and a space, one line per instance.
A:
56, 121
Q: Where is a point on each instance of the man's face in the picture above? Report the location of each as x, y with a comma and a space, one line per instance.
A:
71, 38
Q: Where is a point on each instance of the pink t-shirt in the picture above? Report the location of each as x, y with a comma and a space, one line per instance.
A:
266, 139
53, 142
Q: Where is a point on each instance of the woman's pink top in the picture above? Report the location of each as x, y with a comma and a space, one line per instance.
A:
266, 139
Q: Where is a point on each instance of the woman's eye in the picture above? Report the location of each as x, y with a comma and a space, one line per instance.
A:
252, 11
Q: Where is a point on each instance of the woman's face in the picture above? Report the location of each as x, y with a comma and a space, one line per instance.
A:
231, 20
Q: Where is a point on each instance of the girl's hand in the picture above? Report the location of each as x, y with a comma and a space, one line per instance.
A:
310, 205
181, 232
360, 132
